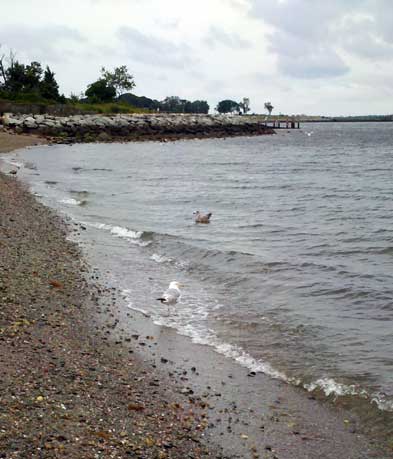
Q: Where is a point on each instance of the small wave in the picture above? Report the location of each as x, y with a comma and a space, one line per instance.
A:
208, 338
71, 201
126, 293
31, 166
79, 168
81, 193
205, 336
386, 251
331, 387
136, 237
50, 182
12, 162
140, 310
160, 258
327, 385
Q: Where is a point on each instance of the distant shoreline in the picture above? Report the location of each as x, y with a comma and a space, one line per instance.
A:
334, 120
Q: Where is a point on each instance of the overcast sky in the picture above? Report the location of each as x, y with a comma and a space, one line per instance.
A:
326, 57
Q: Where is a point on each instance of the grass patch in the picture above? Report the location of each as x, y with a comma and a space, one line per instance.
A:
108, 108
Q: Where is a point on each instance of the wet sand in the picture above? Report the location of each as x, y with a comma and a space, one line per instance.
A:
83, 376
10, 141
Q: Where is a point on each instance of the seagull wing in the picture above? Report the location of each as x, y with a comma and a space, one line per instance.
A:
170, 296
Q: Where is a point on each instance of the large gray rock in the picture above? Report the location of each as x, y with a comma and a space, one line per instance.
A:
30, 123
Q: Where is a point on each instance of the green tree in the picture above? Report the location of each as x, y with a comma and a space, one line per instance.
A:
27, 81
33, 74
15, 77
48, 86
100, 91
173, 104
119, 79
139, 101
23, 78
227, 106
198, 106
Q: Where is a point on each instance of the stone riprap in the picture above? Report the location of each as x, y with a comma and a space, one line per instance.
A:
93, 128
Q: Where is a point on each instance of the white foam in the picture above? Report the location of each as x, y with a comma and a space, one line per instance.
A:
189, 318
122, 232
160, 258
12, 162
70, 201
140, 310
191, 322
126, 293
235, 353
382, 403
329, 386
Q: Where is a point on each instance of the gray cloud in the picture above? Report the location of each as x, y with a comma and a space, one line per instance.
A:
41, 42
217, 36
153, 50
306, 59
365, 39
322, 63
382, 12
311, 38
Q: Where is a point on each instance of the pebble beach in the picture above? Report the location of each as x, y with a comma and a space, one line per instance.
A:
65, 392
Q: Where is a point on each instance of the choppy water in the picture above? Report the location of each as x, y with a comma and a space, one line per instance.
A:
294, 275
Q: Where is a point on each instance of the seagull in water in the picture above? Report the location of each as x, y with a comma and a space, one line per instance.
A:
14, 171
202, 218
171, 294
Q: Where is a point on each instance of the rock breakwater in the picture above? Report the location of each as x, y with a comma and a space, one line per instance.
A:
102, 128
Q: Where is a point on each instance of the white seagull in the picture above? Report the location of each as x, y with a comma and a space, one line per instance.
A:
202, 218
171, 294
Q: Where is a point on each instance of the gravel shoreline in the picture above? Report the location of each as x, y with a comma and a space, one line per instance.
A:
64, 391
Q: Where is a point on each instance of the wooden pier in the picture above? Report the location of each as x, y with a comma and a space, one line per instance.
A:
282, 124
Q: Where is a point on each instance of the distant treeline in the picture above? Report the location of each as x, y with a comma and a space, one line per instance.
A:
362, 118
172, 104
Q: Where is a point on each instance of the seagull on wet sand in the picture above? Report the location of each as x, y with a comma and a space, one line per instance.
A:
171, 294
202, 218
